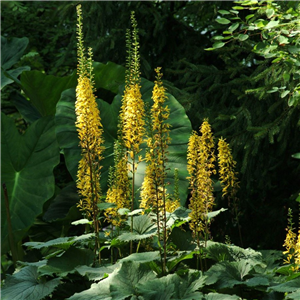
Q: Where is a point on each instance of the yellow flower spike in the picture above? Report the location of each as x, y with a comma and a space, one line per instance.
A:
226, 168
89, 130
292, 245
133, 113
153, 191
200, 165
297, 252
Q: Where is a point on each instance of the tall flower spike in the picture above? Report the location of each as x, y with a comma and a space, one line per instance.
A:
153, 193
292, 244
200, 167
226, 169
89, 130
132, 109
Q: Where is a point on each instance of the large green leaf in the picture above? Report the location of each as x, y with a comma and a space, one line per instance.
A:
158, 288
44, 90
27, 170
68, 139
142, 228
25, 108
187, 287
228, 274
217, 296
289, 286
120, 284
60, 206
61, 242
295, 295
27, 284
67, 262
11, 52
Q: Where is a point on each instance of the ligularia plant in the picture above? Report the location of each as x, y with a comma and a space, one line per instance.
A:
153, 192
201, 166
228, 178
90, 131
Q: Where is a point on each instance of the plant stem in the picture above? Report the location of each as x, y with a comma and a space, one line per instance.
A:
132, 199
9, 227
3, 272
164, 209
199, 257
94, 192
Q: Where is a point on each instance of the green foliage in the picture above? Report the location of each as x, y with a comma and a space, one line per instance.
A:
278, 26
142, 228
248, 87
38, 87
11, 52
244, 95
27, 164
27, 284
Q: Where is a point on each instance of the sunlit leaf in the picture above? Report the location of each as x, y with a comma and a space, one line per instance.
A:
218, 45
223, 21
270, 12
243, 37
27, 284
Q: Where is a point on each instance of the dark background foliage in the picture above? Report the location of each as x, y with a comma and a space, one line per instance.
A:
263, 131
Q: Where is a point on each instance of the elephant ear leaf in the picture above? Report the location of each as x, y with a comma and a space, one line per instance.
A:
11, 51
27, 171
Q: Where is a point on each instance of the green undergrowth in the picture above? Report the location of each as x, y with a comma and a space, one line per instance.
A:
66, 268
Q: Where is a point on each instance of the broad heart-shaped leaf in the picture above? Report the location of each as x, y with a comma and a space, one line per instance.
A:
96, 274
60, 206
27, 170
11, 52
289, 286
228, 274
68, 139
108, 76
125, 280
44, 90
26, 284
158, 289
142, 228
10, 76
295, 295
67, 262
120, 284
25, 108
187, 286
221, 252
61, 242
217, 296
173, 286
142, 257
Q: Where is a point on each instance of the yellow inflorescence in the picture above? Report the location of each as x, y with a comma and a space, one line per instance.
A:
153, 192
292, 245
226, 168
200, 167
132, 114
118, 193
172, 205
89, 129
297, 253
289, 244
